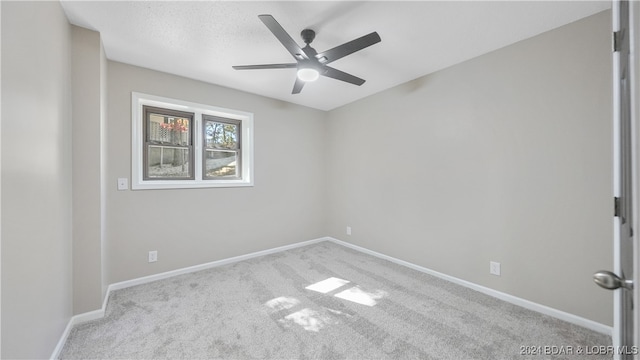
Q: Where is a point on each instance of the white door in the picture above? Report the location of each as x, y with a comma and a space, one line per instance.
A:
622, 279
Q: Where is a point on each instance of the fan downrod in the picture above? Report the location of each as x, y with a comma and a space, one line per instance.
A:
308, 35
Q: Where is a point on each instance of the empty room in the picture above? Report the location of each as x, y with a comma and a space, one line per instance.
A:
318, 179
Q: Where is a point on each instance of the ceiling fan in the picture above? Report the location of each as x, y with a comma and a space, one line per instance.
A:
309, 62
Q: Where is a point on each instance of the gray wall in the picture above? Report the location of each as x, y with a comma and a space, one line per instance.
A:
88, 115
506, 157
36, 178
194, 226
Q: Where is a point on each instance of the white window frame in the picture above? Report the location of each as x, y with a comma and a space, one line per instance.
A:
138, 100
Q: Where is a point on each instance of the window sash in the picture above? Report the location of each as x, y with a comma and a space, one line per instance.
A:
236, 150
156, 143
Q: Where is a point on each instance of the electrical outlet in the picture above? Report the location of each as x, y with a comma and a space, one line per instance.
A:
153, 256
494, 268
348, 230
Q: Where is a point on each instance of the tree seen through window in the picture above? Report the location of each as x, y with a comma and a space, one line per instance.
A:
222, 148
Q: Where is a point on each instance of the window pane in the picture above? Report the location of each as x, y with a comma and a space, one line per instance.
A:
220, 135
169, 129
221, 164
168, 162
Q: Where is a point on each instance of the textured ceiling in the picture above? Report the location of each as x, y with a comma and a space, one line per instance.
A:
203, 39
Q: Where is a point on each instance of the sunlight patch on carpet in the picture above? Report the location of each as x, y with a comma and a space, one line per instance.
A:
312, 320
309, 319
359, 296
354, 294
282, 303
327, 285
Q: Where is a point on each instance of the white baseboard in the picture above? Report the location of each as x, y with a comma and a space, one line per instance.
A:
571, 318
98, 314
75, 320
209, 265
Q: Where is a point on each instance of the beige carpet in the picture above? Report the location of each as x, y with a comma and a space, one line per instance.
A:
322, 301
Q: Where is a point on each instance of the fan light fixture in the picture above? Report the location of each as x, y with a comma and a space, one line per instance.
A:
308, 74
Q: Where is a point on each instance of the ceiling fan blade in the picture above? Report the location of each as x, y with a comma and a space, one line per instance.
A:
297, 86
283, 37
265, 66
341, 75
350, 47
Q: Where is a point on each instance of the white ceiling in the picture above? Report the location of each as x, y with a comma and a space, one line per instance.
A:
203, 39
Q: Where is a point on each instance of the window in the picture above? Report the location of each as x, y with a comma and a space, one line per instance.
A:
178, 144
221, 148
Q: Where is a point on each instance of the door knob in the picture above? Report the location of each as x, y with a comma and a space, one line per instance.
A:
611, 281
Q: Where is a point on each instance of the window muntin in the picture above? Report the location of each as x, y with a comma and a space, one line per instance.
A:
222, 156
168, 147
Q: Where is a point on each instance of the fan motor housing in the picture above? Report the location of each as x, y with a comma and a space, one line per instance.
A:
308, 35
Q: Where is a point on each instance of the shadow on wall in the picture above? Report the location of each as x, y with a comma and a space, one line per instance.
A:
414, 85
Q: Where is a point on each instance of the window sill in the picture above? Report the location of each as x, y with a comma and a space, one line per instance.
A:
189, 184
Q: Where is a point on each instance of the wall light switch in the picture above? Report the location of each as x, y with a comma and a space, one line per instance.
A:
123, 183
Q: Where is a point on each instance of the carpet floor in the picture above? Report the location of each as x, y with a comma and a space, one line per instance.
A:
322, 301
